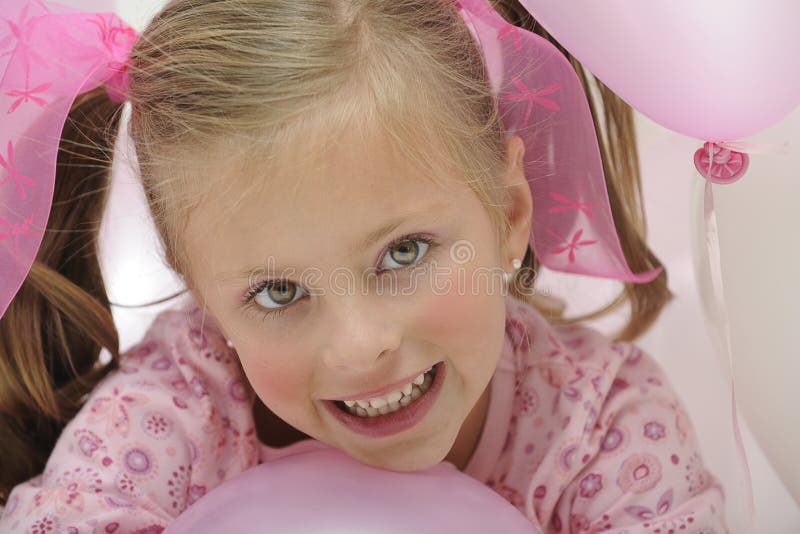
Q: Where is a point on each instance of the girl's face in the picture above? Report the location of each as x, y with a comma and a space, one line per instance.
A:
384, 274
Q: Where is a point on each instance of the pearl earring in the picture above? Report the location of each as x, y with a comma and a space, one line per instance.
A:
517, 263
229, 343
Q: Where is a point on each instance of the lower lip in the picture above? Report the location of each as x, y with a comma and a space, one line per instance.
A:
392, 423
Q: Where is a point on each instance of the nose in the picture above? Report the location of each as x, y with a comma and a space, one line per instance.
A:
360, 331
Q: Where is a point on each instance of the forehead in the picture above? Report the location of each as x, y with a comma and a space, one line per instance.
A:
311, 203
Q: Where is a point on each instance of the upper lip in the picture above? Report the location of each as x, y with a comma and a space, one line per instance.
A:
394, 386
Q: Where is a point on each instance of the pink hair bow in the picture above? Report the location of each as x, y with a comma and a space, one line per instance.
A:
49, 54
541, 99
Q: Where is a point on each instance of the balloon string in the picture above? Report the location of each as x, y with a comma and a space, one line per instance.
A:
715, 269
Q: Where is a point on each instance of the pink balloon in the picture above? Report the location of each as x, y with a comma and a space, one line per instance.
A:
325, 491
713, 70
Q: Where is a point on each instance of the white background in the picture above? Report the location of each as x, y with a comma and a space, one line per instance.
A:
682, 339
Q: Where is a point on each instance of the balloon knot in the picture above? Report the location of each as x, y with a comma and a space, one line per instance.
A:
720, 165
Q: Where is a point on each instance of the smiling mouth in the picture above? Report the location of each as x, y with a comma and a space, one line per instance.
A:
368, 412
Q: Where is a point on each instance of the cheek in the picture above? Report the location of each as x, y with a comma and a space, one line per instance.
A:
273, 380
458, 319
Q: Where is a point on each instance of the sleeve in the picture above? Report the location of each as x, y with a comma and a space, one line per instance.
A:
643, 472
153, 437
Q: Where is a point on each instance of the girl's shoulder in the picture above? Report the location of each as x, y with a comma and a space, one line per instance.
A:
536, 340
156, 434
582, 370
184, 335
572, 357
597, 438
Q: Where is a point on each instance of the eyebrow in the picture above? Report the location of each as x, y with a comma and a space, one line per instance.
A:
366, 241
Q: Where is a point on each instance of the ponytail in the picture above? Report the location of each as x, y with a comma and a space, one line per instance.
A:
55, 327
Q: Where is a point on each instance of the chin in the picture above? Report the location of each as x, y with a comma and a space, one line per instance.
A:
412, 459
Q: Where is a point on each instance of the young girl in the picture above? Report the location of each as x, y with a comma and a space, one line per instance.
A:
283, 147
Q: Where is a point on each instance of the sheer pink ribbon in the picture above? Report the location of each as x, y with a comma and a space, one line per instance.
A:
49, 54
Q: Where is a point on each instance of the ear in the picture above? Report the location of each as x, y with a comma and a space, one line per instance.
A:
519, 211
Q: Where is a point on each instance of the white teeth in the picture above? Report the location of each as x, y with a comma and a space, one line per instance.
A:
394, 397
378, 402
371, 411
393, 401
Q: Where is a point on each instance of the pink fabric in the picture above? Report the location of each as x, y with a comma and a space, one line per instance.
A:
586, 435
582, 435
49, 53
541, 99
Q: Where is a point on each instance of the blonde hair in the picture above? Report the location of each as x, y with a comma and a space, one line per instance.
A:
244, 77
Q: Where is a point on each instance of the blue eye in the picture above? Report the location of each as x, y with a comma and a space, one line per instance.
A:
274, 296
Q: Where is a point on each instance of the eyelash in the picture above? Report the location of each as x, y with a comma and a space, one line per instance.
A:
248, 300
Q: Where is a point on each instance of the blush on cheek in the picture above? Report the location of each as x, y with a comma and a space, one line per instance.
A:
448, 317
275, 384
